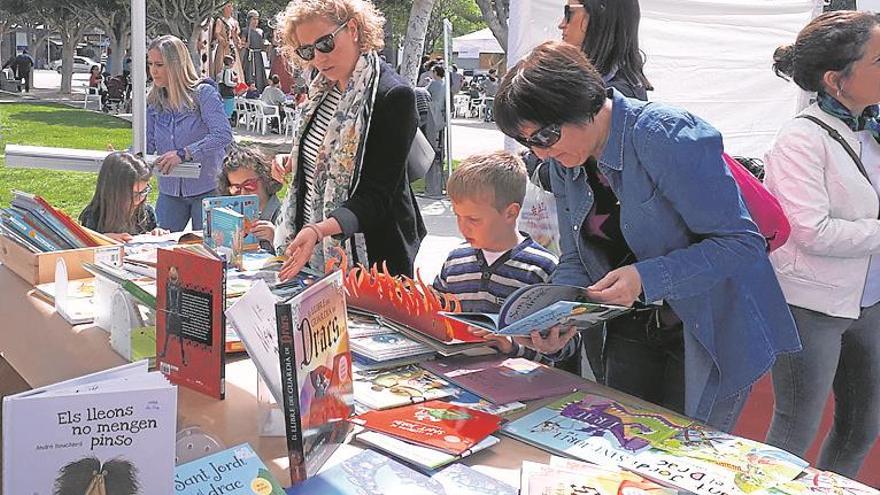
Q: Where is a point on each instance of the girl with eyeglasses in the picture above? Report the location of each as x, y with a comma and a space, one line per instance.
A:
349, 187
247, 170
119, 207
607, 31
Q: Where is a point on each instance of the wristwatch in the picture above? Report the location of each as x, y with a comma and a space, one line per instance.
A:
181, 153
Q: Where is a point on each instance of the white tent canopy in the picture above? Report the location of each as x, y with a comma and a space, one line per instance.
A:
471, 45
712, 57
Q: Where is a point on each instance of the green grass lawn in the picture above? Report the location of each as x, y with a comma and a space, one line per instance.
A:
39, 124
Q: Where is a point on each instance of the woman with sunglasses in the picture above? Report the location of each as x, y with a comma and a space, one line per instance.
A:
247, 170
119, 207
649, 212
186, 121
349, 186
608, 34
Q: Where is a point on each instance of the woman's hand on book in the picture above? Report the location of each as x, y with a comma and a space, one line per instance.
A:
119, 236
556, 339
500, 342
263, 230
298, 253
621, 286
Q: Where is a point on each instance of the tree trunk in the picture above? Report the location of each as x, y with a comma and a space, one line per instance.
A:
414, 42
495, 14
68, 50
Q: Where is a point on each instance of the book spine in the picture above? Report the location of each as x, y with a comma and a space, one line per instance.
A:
67, 222
32, 206
222, 330
14, 221
290, 392
38, 224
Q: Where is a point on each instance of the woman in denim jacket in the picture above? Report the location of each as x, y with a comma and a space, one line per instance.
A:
647, 210
185, 122
830, 269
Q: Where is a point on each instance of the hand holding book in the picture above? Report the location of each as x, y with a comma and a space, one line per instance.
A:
557, 338
621, 286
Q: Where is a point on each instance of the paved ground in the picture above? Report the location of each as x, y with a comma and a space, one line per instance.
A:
469, 136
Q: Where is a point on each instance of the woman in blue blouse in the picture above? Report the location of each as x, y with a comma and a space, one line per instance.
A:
648, 211
185, 122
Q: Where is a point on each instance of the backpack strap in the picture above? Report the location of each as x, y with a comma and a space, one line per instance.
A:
837, 137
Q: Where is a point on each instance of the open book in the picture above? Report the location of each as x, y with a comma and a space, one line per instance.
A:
541, 307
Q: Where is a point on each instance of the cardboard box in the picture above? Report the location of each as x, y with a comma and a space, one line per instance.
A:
39, 268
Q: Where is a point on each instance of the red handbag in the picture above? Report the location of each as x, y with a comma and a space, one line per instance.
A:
763, 205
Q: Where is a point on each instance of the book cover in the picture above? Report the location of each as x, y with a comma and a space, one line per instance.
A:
543, 479
419, 456
315, 365
39, 207
13, 220
190, 323
541, 307
501, 379
80, 300
364, 363
387, 346
40, 225
463, 398
246, 205
595, 429
234, 471
383, 389
227, 232
434, 424
814, 481
112, 431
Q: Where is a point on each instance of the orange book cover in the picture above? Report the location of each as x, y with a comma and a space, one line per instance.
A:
436, 424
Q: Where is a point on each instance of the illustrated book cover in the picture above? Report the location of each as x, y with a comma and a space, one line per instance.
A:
564, 477
190, 323
113, 429
541, 307
419, 456
501, 379
227, 232
234, 471
316, 369
436, 424
248, 206
384, 389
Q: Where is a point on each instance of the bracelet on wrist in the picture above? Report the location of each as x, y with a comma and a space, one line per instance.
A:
314, 228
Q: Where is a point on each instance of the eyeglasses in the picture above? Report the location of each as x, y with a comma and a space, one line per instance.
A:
324, 44
566, 11
544, 137
249, 185
142, 194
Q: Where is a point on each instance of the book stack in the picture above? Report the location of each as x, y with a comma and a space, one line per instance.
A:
386, 350
33, 223
430, 434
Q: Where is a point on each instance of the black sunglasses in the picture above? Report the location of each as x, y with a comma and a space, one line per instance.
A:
544, 137
324, 44
567, 11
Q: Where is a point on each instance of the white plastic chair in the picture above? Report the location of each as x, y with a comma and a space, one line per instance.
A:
266, 113
241, 112
92, 95
289, 120
461, 104
251, 114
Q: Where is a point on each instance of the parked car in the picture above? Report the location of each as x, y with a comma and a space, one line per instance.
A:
80, 64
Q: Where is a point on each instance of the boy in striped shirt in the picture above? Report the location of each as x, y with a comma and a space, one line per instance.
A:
487, 192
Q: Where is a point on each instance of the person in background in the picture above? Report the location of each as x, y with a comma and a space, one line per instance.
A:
608, 34
489, 86
96, 83
247, 170
487, 191
273, 95
252, 93
252, 52
228, 80
648, 211
119, 207
437, 89
455, 80
185, 122
22, 66
350, 187
829, 269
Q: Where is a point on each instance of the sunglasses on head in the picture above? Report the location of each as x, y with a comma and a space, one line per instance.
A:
567, 10
324, 44
544, 137
250, 185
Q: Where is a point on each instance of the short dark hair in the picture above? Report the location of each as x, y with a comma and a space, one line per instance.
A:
439, 70
228, 60
275, 79
833, 41
553, 84
612, 40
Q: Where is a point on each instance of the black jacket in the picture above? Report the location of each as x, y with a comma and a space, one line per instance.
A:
383, 203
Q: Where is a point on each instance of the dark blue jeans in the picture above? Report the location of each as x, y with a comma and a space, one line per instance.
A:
840, 354
174, 212
646, 360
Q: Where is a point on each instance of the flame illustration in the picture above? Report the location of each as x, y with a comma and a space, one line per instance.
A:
403, 300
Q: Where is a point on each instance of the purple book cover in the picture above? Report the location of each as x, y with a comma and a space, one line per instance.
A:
501, 379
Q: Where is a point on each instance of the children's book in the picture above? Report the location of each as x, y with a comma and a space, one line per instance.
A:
227, 232
384, 389
501, 379
315, 365
13, 221
424, 458
11, 382
364, 363
435, 424
569, 478
246, 205
60, 223
389, 345
190, 323
80, 300
815, 482
234, 471
595, 429
371, 473
463, 398
112, 431
541, 307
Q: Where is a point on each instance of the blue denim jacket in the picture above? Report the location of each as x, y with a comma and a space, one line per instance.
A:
204, 131
682, 215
